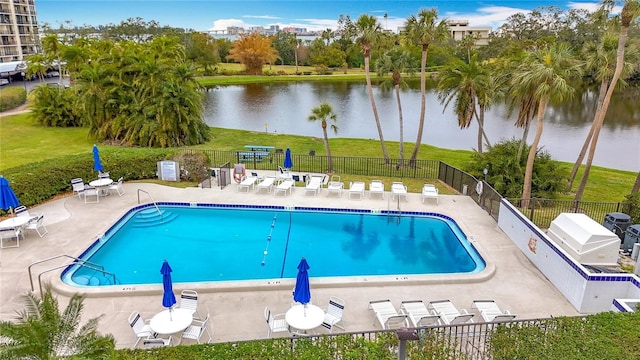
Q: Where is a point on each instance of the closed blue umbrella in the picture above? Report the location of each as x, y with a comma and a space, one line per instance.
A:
302, 293
8, 198
97, 165
288, 163
168, 298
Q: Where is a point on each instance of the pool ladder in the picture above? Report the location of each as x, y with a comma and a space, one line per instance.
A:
76, 261
152, 201
393, 216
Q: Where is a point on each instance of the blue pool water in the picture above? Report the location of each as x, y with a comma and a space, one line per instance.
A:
219, 243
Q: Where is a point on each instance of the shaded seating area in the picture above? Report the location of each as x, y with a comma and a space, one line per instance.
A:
449, 313
387, 315
429, 191
491, 312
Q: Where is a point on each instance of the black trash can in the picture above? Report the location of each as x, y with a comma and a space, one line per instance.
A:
631, 236
617, 222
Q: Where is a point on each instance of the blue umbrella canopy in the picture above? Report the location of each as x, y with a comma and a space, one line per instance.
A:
97, 165
168, 298
8, 198
302, 293
288, 163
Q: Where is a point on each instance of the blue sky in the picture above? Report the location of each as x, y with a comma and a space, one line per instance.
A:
311, 14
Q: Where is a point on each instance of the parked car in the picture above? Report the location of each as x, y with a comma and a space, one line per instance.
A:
53, 74
4, 82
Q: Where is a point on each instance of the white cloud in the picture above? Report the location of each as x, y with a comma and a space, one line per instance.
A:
267, 17
493, 16
591, 6
223, 24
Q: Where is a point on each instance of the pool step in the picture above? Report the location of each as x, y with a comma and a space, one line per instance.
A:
151, 217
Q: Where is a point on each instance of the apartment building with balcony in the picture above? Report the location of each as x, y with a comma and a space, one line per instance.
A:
18, 30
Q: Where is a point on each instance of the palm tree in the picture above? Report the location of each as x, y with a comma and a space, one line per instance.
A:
53, 50
467, 84
630, 11
544, 76
397, 62
42, 332
324, 113
423, 31
368, 32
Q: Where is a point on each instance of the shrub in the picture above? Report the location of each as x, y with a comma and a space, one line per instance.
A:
37, 182
11, 98
53, 106
193, 166
631, 204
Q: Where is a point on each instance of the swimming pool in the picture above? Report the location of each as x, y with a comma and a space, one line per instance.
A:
214, 243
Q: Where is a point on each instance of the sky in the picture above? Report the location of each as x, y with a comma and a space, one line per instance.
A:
314, 15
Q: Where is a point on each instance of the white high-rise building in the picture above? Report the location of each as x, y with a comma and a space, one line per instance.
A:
18, 30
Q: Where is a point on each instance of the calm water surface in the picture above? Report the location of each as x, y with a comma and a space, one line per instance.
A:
284, 108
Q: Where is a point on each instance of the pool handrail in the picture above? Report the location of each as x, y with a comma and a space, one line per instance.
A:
76, 261
153, 201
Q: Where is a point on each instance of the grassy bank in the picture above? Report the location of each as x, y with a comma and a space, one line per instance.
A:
22, 141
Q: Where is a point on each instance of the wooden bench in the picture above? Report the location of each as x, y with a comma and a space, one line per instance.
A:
259, 148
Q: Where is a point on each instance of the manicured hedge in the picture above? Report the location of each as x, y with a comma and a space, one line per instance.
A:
12, 97
37, 182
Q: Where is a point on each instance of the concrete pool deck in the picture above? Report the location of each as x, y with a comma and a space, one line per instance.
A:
236, 312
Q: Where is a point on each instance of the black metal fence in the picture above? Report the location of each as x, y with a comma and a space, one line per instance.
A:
540, 211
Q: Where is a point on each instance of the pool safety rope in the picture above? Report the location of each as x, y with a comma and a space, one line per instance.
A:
266, 248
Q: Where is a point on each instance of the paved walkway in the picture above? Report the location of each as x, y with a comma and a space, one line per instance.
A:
237, 310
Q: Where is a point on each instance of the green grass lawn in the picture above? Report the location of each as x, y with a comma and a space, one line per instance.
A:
23, 141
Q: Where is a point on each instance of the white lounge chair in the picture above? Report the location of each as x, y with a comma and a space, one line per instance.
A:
387, 315
491, 312
429, 191
376, 187
398, 189
356, 188
419, 314
247, 183
284, 187
449, 313
335, 186
313, 185
266, 183
333, 314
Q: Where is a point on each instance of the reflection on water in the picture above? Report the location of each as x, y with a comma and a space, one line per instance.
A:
284, 108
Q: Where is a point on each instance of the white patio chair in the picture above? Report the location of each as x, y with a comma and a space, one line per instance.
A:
78, 186
429, 191
23, 211
376, 187
118, 186
103, 175
418, 313
387, 315
140, 327
276, 323
398, 189
157, 342
10, 234
356, 188
189, 301
333, 314
449, 313
91, 193
37, 225
195, 330
491, 312
284, 174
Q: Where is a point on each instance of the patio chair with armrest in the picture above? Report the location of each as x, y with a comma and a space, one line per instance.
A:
23, 211
195, 330
91, 195
157, 342
276, 323
118, 186
140, 327
10, 234
37, 225
333, 314
78, 186
189, 301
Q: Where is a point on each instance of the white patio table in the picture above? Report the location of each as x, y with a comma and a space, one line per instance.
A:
171, 321
102, 185
304, 319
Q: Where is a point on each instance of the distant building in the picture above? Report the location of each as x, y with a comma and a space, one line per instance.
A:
18, 30
460, 29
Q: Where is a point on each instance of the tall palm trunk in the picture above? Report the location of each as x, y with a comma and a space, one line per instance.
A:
326, 147
423, 102
627, 15
401, 150
576, 166
636, 185
528, 173
375, 109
